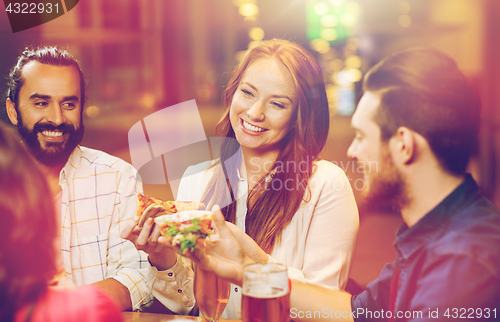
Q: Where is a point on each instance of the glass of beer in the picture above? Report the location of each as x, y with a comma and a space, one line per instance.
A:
266, 296
211, 294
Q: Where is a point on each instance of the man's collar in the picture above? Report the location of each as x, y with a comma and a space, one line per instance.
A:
72, 164
408, 240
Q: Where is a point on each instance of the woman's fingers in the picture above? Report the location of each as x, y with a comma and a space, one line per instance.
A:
220, 221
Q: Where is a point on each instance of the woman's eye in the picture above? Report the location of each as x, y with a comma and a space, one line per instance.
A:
247, 92
278, 105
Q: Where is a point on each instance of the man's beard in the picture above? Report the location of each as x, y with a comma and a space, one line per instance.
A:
388, 185
55, 154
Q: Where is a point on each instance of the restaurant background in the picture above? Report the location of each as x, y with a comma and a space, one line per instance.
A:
140, 56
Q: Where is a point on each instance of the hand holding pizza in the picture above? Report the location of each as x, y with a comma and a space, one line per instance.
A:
145, 235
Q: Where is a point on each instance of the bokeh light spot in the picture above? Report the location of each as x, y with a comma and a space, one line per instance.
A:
404, 21
249, 10
329, 34
92, 111
256, 33
353, 62
320, 45
329, 21
321, 8
404, 7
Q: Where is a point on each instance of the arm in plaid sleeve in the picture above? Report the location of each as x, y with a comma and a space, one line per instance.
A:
126, 264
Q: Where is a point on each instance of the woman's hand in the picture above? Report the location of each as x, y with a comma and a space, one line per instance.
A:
249, 246
222, 252
161, 255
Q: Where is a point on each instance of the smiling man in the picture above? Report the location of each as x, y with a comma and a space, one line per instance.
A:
94, 192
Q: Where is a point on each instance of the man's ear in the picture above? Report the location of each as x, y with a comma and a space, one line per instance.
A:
11, 111
403, 145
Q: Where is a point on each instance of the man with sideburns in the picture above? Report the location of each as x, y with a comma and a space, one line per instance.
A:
416, 127
94, 193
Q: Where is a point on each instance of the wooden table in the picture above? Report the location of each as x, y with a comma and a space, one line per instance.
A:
155, 317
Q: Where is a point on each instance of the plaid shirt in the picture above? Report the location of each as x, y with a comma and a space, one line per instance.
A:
98, 198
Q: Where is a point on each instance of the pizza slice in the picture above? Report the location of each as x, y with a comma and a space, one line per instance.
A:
187, 229
149, 207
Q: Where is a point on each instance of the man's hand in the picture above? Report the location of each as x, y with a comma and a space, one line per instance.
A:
161, 255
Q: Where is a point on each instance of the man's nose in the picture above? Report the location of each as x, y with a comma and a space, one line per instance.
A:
56, 115
351, 152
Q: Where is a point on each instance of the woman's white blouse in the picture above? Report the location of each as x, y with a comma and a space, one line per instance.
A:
317, 245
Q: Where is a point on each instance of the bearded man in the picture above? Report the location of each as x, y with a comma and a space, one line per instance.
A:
94, 192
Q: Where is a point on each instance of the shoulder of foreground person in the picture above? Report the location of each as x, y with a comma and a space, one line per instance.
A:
86, 303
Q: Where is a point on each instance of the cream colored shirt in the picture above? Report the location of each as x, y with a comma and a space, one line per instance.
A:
98, 200
317, 245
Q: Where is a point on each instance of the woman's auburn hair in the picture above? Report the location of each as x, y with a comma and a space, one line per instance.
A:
273, 209
27, 229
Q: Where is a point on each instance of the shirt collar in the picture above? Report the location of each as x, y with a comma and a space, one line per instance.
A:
70, 167
408, 240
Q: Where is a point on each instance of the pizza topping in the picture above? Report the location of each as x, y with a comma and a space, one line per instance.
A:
149, 207
187, 228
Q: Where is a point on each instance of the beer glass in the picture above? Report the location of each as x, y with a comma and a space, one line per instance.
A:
266, 296
211, 294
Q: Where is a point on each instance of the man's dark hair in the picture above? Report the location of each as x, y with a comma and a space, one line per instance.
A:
50, 55
423, 90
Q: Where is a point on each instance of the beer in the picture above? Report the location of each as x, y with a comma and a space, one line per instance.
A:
266, 296
275, 308
211, 294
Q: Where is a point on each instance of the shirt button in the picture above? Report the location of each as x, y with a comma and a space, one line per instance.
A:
170, 274
236, 289
179, 291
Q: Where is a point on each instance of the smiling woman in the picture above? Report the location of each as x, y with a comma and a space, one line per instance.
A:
277, 114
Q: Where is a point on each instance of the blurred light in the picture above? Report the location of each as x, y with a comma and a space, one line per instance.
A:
337, 2
348, 20
335, 65
329, 34
330, 55
330, 94
353, 42
256, 33
248, 10
353, 62
239, 3
211, 76
350, 50
321, 46
321, 8
92, 111
404, 7
353, 7
404, 21
329, 21
355, 74
343, 78
148, 101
